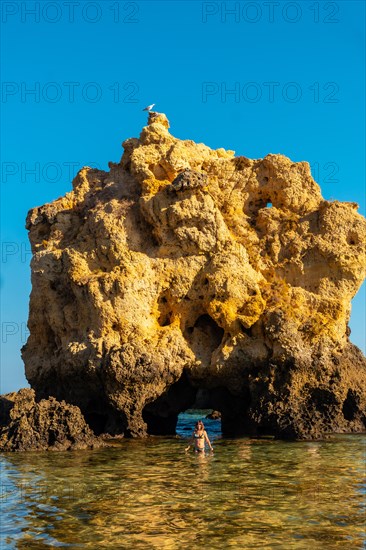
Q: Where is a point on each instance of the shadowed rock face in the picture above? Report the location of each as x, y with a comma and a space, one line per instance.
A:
186, 268
26, 425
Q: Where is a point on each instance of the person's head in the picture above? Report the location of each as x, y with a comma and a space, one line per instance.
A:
199, 425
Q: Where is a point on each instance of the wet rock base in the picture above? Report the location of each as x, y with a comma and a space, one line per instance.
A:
47, 425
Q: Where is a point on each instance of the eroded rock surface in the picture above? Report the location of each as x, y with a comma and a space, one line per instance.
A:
47, 425
186, 268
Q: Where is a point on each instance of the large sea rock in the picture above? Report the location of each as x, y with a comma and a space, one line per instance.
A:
184, 270
47, 425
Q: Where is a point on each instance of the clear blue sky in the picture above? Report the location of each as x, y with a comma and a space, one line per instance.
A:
295, 70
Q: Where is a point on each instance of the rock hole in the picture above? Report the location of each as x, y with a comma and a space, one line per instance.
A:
165, 320
96, 422
51, 438
352, 238
179, 407
204, 337
323, 400
349, 407
161, 415
165, 313
244, 329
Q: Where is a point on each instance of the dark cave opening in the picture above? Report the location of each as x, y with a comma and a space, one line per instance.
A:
161, 415
349, 407
96, 421
103, 419
170, 413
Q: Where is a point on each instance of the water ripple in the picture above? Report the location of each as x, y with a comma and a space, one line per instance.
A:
250, 493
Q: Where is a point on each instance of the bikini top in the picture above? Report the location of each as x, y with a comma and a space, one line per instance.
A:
197, 436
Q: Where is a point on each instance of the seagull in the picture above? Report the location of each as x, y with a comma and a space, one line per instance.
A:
149, 107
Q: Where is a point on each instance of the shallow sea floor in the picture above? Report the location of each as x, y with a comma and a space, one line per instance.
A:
250, 493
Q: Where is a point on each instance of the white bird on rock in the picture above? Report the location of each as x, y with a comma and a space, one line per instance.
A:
149, 107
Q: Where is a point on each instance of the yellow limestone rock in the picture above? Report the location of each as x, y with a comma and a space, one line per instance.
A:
187, 268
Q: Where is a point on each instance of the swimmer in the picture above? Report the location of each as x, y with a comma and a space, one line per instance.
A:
199, 437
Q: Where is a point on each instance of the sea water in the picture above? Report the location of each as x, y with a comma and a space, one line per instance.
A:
150, 493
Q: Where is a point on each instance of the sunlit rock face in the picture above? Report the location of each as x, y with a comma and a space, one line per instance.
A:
185, 268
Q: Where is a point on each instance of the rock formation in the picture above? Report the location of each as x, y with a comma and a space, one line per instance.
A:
26, 425
187, 268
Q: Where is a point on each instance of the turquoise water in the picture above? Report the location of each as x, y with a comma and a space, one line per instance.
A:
250, 493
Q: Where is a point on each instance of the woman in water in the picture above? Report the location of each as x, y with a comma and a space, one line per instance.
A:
199, 437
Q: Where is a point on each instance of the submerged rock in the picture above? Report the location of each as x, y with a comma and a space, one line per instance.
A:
187, 268
214, 415
48, 425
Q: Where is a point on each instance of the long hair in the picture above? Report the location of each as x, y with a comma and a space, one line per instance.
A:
199, 425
